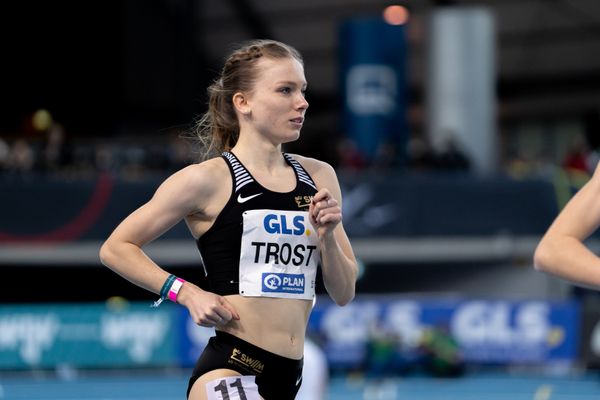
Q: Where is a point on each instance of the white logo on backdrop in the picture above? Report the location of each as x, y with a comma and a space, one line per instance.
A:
361, 215
350, 324
138, 333
480, 322
30, 334
371, 89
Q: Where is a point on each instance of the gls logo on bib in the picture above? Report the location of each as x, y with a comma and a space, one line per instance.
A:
279, 225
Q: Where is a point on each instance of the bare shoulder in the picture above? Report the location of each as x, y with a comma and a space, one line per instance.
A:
198, 179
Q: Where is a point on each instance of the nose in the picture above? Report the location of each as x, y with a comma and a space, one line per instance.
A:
302, 104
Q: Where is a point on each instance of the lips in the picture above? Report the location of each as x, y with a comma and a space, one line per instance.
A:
298, 120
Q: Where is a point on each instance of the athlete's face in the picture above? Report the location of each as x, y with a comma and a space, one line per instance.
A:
277, 102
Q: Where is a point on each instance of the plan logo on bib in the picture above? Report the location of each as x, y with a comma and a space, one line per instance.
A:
282, 283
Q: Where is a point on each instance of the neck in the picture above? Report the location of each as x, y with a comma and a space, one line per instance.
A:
259, 155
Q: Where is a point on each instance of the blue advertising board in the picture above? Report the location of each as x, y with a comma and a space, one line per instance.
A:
135, 335
373, 71
487, 331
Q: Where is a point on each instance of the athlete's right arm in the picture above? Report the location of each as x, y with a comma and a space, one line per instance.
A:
562, 251
186, 192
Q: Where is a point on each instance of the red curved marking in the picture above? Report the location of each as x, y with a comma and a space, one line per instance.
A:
79, 225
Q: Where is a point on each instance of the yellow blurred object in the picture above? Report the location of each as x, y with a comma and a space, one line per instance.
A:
117, 303
41, 120
556, 336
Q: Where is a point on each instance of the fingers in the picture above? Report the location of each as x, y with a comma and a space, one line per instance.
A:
326, 203
230, 309
223, 313
220, 312
329, 217
210, 321
321, 195
325, 209
214, 319
323, 199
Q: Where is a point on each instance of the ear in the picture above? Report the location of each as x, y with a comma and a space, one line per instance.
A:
240, 102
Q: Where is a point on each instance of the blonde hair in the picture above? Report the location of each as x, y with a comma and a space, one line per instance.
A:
217, 130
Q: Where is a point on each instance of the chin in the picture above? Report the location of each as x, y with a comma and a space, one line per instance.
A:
291, 138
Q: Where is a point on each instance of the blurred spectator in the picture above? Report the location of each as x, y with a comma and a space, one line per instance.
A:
4, 154
383, 352
451, 158
84, 158
441, 352
105, 158
349, 156
579, 157
315, 373
21, 158
421, 156
178, 151
387, 157
525, 164
55, 154
133, 162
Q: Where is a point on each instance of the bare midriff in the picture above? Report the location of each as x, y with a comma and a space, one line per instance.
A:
276, 325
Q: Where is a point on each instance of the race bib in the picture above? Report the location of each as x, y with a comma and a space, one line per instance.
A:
279, 254
233, 388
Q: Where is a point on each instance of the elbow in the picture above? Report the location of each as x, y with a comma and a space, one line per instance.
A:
345, 299
106, 254
348, 294
342, 289
541, 258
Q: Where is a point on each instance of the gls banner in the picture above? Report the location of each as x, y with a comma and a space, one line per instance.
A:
487, 331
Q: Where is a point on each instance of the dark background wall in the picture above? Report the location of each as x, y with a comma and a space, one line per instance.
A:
67, 55
101, 67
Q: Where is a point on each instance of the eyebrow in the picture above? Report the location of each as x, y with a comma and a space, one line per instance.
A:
292, 83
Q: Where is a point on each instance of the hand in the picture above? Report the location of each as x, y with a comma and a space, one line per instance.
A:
325, 212
206, 308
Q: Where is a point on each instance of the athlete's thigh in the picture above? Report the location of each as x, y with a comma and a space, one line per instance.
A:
226, 383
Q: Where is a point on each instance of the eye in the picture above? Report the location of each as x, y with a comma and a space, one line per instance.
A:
285, 90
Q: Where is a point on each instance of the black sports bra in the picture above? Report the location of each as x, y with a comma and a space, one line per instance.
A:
220, 245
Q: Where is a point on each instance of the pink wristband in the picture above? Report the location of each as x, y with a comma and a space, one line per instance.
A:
175, 289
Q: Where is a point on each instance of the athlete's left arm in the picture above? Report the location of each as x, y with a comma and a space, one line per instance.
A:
562, 250
338, 263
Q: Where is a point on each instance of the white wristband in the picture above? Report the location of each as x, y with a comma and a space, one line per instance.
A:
174, 290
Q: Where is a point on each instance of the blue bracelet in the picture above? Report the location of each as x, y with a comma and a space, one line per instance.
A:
164, 291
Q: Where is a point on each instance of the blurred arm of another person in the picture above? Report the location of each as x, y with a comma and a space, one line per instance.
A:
315, 374
562, 251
